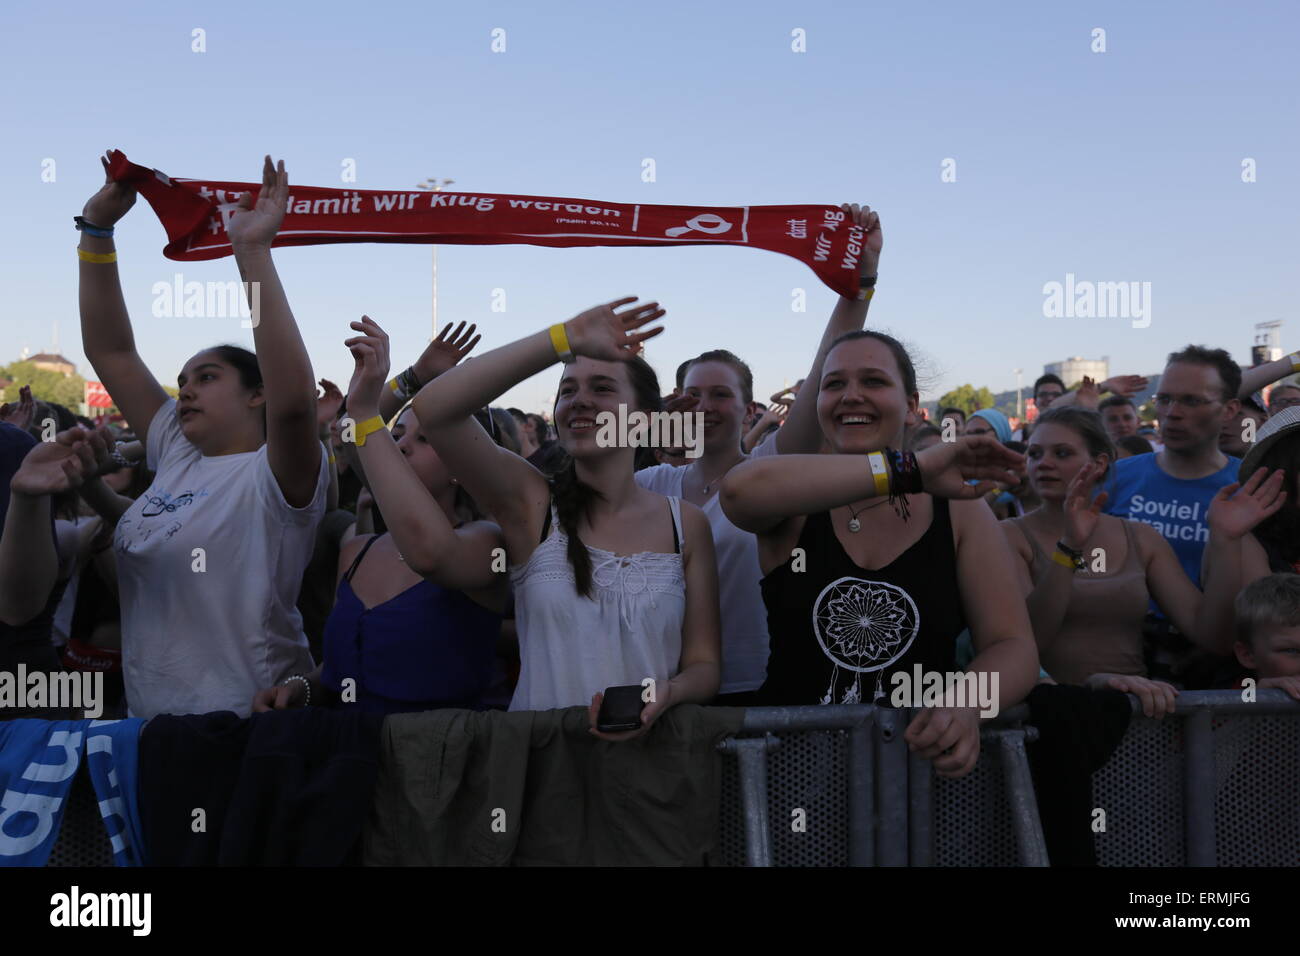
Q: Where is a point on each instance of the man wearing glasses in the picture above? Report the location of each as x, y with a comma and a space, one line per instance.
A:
1172, 490
1283, 396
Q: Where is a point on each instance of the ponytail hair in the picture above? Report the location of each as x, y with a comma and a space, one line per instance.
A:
573, 496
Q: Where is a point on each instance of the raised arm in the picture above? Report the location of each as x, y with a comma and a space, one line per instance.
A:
106, 335
759, 494
1208, 620
292, 447
444, 352
1050, 596
29, 561
1253, 379
458, 559
802, 433
509, 488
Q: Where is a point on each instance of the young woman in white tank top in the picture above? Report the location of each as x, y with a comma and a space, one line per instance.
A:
613, 584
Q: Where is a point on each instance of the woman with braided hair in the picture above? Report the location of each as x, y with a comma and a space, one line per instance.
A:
613, 584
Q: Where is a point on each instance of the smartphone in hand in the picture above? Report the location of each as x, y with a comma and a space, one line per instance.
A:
620, 710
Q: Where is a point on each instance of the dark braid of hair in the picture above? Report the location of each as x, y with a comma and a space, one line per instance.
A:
572, 499
573, 496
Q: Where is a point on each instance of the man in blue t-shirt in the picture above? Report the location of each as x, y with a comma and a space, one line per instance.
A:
1172, 490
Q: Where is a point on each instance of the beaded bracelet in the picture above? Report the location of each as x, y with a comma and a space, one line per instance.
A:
305, 683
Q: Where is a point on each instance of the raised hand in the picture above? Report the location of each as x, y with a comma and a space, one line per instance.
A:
19, 413
1089, 395
608, 334
947, 466
787, 396
328, 404
873, 239
1082, 510
370, 350
113, 201
53, 467
1126, 385
680, 403
101, 444
1238, 509
255, 222
445, 351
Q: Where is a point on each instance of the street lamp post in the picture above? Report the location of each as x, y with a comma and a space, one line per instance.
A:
436, 186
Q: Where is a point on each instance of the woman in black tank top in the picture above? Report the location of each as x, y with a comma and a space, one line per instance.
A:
861, 589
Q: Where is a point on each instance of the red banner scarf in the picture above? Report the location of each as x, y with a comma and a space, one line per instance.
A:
195, 212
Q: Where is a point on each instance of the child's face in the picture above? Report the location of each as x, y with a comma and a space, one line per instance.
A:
1274, 652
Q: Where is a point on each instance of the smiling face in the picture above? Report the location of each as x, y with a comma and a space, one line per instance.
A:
419, 454
720, 398
587, 388
213, 403
1054, 457
862, 403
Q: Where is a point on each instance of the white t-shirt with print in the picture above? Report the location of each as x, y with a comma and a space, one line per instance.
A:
204, 630
744, 617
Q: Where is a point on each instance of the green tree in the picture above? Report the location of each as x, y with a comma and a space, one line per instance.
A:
69, 390
968, 398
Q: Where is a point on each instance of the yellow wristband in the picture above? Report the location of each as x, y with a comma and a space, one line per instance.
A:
368, 427
397, 389
331, 459
880, 472
99, 257
864, 295
1295, 361
1063, 560
560, 342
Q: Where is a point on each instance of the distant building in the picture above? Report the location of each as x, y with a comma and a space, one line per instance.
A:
1268, 343
1072, 370
52, 362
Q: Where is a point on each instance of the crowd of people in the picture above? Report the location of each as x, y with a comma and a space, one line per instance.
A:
260, 543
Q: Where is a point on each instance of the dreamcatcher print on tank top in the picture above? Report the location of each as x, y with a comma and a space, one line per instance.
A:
863, 626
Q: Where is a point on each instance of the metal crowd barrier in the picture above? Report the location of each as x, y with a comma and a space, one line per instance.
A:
1214, 783
836, 786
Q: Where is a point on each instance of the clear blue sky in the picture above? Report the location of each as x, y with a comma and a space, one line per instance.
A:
1115, 166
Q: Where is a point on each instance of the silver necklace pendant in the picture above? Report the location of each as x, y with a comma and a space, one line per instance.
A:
855, 525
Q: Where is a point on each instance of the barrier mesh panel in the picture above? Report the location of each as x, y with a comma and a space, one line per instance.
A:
82, 839
1141, 791
807, 771
1257, 768
972, 816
